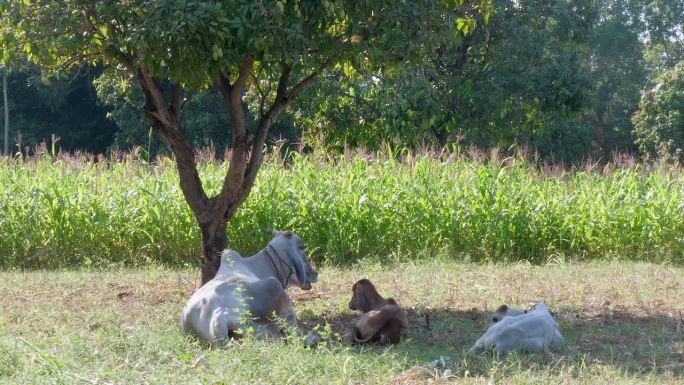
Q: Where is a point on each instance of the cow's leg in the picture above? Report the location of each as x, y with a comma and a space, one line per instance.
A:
557, 339
286, 311
533, 344
225, 324
265, 298
504, 343
262, 298
478, 346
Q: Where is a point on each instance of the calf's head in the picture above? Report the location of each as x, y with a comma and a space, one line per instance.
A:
365, 297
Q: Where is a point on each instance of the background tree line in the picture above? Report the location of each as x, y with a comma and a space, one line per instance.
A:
567, 78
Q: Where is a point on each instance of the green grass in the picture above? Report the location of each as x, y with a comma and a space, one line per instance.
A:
622, 322
73, 211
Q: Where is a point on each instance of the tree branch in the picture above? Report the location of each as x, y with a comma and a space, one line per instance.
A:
265, 122
165, 120
176, 102
282, 101
299, 87
262, 94
243, 74
224, 86
350, 96
233, 181
283, 81
151, 85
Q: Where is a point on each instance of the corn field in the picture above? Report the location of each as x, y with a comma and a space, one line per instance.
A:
77, 210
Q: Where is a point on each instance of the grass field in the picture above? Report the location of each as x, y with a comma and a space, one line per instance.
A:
73, 211
622, 322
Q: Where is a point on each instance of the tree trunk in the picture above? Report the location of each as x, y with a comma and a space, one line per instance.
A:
6, 103
164, 112
214, 241
442, 136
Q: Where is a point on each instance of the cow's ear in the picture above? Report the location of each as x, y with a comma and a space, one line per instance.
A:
288, 233
364, 293
502, 309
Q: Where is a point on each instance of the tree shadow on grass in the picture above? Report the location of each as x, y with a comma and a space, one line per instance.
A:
637, 344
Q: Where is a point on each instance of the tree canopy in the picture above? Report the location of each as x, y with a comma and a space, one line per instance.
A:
561, 77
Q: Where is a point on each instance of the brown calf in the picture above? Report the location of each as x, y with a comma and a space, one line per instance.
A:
382, 320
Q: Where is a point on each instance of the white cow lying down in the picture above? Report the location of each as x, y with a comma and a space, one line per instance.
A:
249, 291
514, 329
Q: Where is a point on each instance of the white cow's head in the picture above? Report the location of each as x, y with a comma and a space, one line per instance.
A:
506, 311
290, 247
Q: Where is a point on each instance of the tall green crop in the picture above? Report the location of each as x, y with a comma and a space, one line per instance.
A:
73, 211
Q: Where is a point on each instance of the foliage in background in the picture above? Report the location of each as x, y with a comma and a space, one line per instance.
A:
74, 211
562, 77
616, 74
65, 106
660, 120
101, 118
520, 77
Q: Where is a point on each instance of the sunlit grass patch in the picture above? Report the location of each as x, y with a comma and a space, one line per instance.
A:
622, 323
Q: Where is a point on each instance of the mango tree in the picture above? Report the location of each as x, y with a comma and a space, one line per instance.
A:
260, 54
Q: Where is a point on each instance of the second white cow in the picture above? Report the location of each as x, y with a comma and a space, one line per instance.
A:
532, 331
